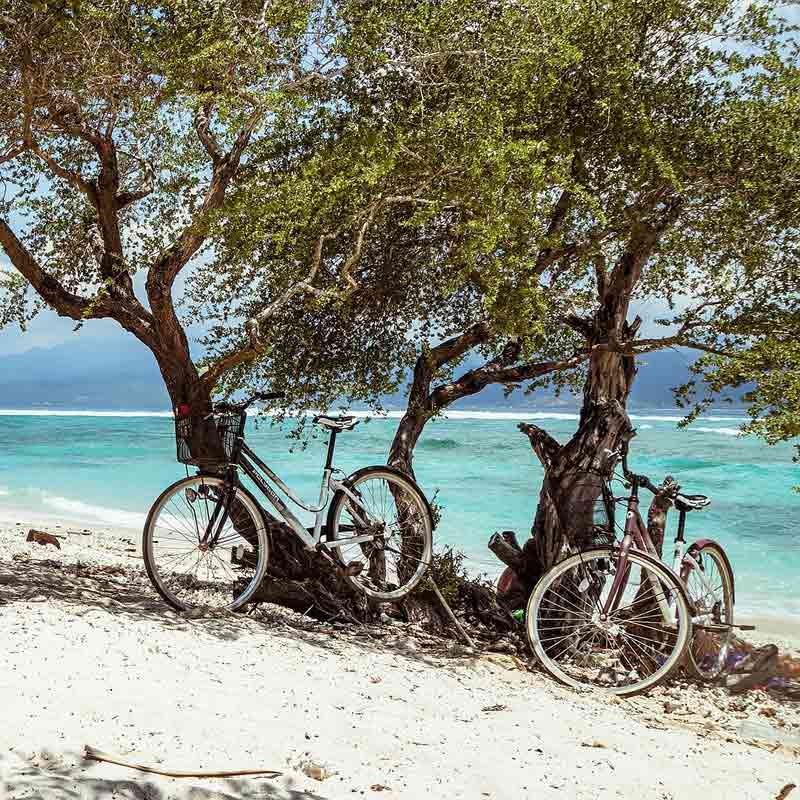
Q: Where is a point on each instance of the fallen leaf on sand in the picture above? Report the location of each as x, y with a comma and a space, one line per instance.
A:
498, 707
594, 743
379, 787
784, 793
40, 537
375, 679
316, 771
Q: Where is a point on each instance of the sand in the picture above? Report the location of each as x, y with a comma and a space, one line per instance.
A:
91, 656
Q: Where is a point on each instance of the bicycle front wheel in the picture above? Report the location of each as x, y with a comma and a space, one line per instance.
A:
199, 556
635, 645
390, 509
706, 572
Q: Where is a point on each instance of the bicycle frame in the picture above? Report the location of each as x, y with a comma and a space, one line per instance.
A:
245, 458
636, 536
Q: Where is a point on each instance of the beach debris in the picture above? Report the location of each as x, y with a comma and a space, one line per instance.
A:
379, 787
42, 537
784, 793
497, 707
594, 743
92, 754
752, 670
318, 772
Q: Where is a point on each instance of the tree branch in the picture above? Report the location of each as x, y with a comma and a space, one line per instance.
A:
202, 126
124, 199
64, 302
544, 445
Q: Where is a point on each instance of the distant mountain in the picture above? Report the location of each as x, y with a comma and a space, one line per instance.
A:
82, 374
658, 374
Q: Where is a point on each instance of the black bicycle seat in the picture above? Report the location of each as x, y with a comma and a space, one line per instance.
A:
337, 424
691, 502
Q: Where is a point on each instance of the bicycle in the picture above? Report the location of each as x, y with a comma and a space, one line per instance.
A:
206, 542
614, 617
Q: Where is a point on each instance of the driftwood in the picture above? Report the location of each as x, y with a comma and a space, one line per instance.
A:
91, 754
42, 537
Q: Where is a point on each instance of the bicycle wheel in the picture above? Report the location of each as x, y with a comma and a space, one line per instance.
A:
628, 650
216, 574
709, 584
394, 510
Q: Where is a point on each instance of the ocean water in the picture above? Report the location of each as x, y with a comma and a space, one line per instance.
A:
107, 468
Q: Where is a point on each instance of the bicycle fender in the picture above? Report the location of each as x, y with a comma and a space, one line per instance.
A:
696, 546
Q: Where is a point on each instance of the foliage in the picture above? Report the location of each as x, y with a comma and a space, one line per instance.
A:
350, 183
449, 573
525, 165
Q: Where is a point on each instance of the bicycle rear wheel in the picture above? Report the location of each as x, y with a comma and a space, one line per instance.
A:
709, 583
191, 570
625, 652
393, 509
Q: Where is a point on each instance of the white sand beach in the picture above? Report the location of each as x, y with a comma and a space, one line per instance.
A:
91, 656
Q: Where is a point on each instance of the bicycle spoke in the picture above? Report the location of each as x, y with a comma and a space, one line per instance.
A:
190, 572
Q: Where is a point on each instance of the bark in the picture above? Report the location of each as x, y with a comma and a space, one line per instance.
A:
575, 472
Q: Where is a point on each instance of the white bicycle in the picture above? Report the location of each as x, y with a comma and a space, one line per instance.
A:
206, 542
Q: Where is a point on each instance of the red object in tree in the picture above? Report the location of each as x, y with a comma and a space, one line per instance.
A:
183, 410
506, 581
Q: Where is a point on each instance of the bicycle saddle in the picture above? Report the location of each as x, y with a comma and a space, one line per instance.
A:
691, 502
337, 424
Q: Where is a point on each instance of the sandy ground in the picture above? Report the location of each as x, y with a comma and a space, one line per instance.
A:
91, 656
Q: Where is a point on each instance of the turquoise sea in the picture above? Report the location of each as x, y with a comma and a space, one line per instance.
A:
107, 468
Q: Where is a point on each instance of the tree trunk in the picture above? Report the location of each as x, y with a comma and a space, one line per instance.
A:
401, 453
571, 498
297, 578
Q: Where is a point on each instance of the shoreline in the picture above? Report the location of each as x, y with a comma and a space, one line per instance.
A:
488, 414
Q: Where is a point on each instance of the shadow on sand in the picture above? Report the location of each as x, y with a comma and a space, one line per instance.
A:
126, 594
51, 777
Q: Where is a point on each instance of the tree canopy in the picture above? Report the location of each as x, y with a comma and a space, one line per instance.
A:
517, 174
346, 187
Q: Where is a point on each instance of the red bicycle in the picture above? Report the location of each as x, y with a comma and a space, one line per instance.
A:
614, 617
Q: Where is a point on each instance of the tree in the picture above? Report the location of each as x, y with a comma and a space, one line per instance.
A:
540, 167
411, 184
123, 130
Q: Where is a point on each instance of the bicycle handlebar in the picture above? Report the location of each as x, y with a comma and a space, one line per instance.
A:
641, 480
241, 407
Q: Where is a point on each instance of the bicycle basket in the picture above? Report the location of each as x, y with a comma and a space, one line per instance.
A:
212, 440
591, 516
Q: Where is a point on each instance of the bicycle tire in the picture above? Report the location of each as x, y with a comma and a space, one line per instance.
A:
155, 566
589, 646
707, 653
409, 552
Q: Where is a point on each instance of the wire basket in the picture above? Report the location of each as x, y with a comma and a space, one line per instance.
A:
591, 516
212, 440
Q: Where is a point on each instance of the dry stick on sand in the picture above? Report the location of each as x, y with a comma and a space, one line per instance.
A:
97, 755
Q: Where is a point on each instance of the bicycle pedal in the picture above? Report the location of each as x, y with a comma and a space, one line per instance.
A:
352, 569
